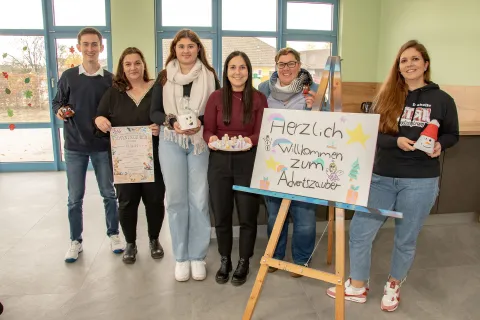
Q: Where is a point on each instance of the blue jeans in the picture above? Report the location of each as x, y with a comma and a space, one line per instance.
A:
414, 198
304, 229
77, 164
186, 191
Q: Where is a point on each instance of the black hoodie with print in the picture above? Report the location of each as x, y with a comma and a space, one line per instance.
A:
421, 106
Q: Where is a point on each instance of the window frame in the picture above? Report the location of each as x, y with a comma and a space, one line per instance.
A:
216, 33
50, 32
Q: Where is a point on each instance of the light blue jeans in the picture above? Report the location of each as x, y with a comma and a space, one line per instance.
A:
414, 198
186, 192
76, 165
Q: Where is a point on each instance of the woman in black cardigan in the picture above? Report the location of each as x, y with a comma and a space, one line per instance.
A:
127, 103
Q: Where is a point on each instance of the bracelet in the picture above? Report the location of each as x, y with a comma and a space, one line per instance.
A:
168, 119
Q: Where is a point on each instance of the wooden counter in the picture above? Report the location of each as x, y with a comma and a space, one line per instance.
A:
467, 99
470, 128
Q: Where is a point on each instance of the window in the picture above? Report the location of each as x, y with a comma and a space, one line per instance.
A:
31, 18
257, 27
260, 51
33, 55
25, 145
23, 80
238, 15
309, 16
180, 13
79, 13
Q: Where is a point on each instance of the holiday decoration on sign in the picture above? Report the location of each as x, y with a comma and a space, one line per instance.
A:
11, 127
5, 75
428, 137
352, 193
72, 49
10, 112
354, 171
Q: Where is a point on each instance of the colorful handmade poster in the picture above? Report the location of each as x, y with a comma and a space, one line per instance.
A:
132, 154
323, 155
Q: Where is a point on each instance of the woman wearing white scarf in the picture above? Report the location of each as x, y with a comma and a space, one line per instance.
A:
184, 154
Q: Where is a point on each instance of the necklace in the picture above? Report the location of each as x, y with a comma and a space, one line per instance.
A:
237, 97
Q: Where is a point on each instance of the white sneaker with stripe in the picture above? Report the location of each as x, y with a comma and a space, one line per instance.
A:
358, 295
391, 296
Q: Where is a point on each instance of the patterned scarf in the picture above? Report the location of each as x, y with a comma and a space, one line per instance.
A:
296, 86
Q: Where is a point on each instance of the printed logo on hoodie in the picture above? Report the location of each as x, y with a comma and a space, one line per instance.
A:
418, 115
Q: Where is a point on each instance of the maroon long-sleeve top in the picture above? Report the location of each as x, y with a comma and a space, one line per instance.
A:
213, 117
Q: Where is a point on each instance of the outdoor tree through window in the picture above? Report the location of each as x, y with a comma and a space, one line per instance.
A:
23, 80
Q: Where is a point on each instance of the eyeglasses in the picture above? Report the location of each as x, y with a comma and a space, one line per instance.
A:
290, 64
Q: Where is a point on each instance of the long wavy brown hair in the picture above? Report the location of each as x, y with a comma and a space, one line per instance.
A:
202, 55
390, 100
120, 80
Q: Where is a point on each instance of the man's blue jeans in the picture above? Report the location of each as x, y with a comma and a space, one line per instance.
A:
77, 164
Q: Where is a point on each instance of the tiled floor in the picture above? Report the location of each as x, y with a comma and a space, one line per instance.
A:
35, 283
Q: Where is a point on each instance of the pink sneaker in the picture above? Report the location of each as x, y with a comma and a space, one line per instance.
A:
358, 295
391, 296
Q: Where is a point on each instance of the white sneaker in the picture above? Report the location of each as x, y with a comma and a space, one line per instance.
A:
358, 295
73, 251
116, 244
391, 296
199, 271
182, 271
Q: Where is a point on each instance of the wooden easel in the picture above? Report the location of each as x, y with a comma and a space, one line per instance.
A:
330, 75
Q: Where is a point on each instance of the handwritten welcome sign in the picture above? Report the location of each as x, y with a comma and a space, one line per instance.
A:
323, 155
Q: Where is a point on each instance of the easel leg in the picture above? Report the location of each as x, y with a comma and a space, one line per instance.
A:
262, 273
340, 263
331, 213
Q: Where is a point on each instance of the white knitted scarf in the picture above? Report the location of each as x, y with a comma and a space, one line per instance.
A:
203, 85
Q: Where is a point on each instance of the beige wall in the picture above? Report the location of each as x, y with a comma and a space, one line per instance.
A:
133, 25
358, 40
449, 29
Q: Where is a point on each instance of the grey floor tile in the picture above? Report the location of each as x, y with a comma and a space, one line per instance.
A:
38, 307
35, 283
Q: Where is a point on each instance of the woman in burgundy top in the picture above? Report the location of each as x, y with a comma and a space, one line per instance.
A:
236, 109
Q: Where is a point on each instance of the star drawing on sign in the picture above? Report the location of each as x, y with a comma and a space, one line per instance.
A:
357, 135
271, 164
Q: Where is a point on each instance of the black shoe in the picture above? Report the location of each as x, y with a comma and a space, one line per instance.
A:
240, 275
223, 274
1, 308
130, 253
156, 250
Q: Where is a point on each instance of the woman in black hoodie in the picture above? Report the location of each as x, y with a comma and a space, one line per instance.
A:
404, 178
